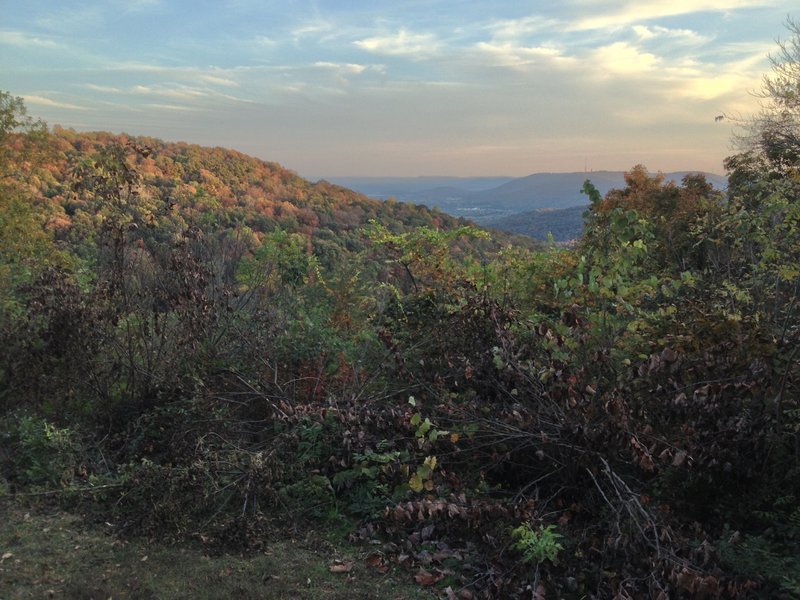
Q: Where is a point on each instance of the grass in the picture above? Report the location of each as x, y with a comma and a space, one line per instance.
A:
49, 553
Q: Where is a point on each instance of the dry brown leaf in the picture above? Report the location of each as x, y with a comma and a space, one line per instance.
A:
376, 561
340, 567
426, 578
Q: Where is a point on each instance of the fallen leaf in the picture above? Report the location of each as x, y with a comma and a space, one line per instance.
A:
415, 483
375, 561
340, 567
426, 578
6, 556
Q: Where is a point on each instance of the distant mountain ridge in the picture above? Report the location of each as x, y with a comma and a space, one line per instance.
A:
507, 203
406, 187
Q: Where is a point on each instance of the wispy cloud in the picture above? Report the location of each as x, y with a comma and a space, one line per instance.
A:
265, 41
507, 54
402, 43
169, 92
318, 28
184, 93
574, 76
523, 26
350, 68
644, 32
172, 107
217, 80
42, 101
610, 15
106, 89
25, 40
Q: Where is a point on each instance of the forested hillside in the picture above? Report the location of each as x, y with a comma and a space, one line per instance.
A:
201, 345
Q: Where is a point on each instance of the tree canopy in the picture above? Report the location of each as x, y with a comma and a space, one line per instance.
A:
198, 341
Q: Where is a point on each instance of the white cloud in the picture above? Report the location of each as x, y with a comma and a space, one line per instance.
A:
644, 10
106, 89
350, 68
507, 54
217, 80
18, 38
168, 91
623, 59
402, 43
42, 101
193, 96
318, 28
172, 107
266, 41
709, 88
644, 33
515, 28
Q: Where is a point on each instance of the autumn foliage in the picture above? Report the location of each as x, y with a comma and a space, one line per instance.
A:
203, 344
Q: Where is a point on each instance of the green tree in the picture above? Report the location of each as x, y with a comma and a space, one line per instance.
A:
25, 245
22, 137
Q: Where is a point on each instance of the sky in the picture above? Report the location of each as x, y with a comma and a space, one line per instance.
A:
403, 88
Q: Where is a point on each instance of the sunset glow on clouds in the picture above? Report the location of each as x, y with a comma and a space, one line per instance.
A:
402, 88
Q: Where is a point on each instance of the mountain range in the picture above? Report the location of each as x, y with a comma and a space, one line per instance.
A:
534, 205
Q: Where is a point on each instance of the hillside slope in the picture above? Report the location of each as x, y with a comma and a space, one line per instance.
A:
181, 185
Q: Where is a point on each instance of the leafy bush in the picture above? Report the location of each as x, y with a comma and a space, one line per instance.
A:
43, 454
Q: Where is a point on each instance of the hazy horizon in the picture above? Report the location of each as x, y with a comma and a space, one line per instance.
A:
424, 88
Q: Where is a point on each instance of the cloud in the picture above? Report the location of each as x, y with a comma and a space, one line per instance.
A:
709, 88
179, 92
172, 107
319, 28
167, 91
613, 16
265, 41
42, 101
24, 40
507, 54
623, 59
402, 43
217, 80
516, 28
350, 68
106, 89
646, 33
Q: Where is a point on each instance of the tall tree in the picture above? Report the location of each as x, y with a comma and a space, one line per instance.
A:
773, 135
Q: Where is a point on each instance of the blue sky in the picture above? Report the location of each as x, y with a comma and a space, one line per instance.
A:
404, 88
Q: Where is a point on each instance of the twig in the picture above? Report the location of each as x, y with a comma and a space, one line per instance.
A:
64, 491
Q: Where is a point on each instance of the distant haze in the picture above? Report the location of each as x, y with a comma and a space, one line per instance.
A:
457, 87
535, 205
